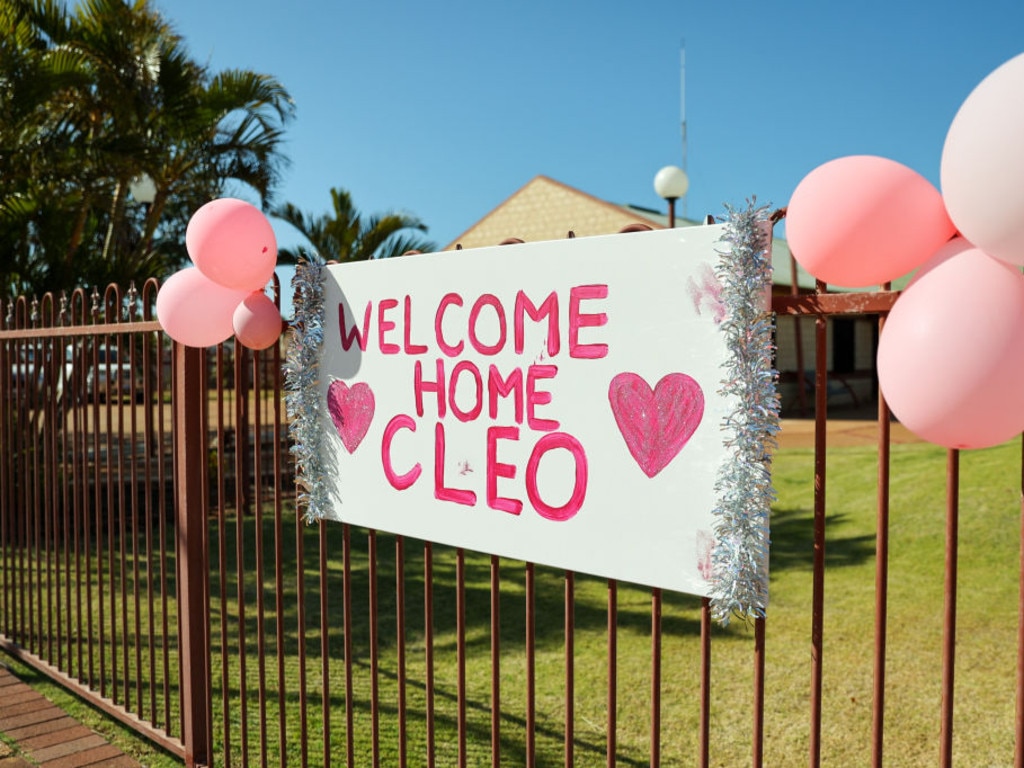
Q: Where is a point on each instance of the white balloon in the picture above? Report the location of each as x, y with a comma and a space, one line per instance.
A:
982, 172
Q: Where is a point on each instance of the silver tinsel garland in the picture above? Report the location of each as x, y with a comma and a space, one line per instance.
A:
302, 383
743, 488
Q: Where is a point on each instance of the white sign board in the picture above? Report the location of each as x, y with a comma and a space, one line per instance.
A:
554, 402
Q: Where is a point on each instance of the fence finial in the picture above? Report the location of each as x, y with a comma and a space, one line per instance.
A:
130, 305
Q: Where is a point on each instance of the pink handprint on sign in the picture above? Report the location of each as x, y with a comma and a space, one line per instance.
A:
706, 294
705, 546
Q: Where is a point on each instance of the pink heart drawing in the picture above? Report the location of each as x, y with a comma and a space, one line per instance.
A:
656, 424
351, 411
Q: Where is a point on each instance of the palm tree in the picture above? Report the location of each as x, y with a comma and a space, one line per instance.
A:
346, 235
104, 94
32, 149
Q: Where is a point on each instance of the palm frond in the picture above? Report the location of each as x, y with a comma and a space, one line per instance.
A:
346, 235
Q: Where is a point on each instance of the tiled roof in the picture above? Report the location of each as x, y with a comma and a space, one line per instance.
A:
545, 209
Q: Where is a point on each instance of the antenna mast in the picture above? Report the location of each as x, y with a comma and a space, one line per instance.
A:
682, 107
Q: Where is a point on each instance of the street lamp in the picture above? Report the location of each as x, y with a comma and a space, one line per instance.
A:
143, 189
671, 183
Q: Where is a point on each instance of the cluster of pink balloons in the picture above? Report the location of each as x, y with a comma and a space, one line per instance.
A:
234, 251
951, 353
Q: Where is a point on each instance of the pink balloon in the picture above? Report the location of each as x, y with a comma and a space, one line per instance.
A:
865, 220
951, 355
233, 244
983, 164
196, 311
257, 321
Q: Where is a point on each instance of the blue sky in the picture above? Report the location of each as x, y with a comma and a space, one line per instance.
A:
444, 109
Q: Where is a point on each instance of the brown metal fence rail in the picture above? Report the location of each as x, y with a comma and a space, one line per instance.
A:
151, 560
87, 562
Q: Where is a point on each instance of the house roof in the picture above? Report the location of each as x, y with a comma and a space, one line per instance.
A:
545, 209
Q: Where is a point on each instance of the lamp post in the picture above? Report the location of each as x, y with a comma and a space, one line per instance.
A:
671, 183
143, 189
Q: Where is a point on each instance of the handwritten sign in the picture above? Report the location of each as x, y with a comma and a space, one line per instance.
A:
554, 402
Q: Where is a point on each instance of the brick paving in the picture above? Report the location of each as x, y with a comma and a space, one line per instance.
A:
48, 737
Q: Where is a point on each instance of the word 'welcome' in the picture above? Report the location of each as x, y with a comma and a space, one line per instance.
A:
452, 302
468, 392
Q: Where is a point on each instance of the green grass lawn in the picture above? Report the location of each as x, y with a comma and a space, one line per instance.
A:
985, 658
988, 567
986, 636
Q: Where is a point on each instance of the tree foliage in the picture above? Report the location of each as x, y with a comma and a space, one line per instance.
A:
94, 97
347, 235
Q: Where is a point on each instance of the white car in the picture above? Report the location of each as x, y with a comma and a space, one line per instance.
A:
110, 374
29, 371
29, 368
24, 371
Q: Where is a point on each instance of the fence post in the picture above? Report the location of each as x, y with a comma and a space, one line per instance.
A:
193, 584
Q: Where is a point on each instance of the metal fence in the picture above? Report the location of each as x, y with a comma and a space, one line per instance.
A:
151, 560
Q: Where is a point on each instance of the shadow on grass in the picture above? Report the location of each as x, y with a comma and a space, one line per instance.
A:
680, 614
286, 625
793, 541
511, 740
511, 744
